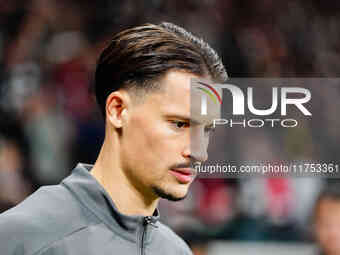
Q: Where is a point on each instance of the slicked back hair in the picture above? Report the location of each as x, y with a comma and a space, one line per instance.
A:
136, 58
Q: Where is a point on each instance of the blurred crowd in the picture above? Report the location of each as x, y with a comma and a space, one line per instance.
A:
49, 120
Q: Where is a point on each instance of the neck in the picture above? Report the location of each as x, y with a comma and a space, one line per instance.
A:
109, 173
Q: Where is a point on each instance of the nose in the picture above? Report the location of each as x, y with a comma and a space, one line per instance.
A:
197, 148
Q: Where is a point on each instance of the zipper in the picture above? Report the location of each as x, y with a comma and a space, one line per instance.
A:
146, 221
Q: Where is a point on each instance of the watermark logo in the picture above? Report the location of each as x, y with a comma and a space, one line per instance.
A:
266, 127
281, 98
211, 92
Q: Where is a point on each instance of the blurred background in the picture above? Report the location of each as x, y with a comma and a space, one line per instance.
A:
49, 120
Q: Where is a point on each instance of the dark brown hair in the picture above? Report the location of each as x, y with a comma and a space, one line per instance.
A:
137, 57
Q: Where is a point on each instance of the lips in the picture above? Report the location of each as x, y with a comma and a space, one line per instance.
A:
183, 175
186, 171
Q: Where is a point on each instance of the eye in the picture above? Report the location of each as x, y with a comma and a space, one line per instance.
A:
180, 124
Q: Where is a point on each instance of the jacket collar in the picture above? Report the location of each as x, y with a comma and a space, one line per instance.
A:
94, 197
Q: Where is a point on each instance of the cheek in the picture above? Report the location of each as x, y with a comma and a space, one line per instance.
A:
158, 147
147, 146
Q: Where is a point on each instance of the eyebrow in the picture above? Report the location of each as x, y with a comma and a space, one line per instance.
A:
178, 116
186, 118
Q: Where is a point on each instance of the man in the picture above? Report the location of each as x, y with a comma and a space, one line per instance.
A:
327, 219
142, 86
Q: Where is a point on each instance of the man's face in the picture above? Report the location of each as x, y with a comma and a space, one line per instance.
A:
327, 226
156, 148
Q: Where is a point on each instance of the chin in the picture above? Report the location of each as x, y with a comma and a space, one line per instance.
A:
171, 196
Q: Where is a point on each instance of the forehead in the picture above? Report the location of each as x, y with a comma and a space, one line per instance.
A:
176, 85
179, 98
174, 94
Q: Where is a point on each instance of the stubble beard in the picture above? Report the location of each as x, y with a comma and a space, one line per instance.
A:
166, 195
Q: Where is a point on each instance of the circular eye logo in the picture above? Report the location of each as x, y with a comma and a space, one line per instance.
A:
210, 91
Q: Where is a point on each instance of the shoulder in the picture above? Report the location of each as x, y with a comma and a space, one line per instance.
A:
172, 238
40, 219
19, 233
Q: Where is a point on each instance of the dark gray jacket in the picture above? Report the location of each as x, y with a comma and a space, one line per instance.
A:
79, 217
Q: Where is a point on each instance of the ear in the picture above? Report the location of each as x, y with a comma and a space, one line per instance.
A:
117, 104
